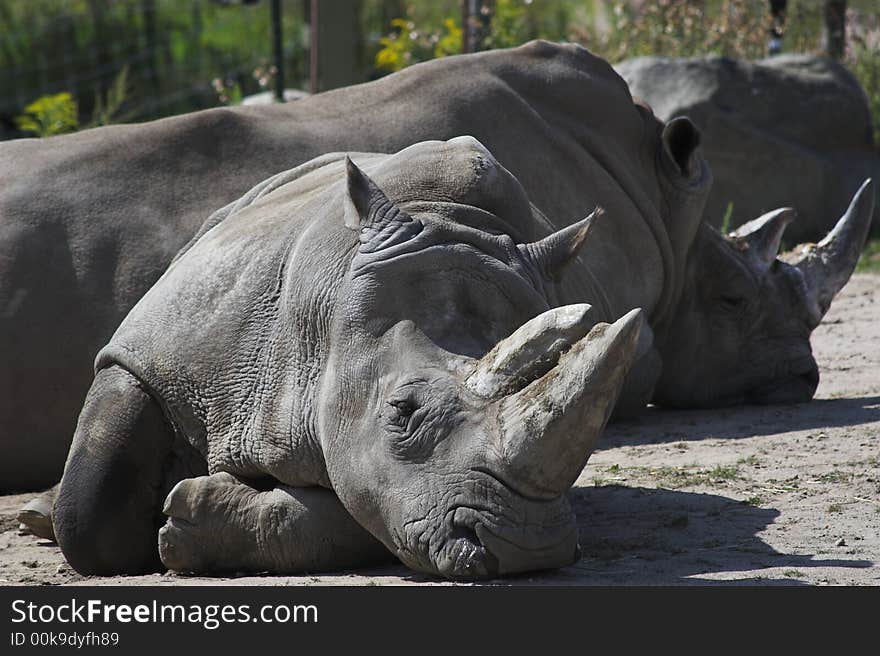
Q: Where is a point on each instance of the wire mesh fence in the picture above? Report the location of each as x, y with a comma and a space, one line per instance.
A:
173, 53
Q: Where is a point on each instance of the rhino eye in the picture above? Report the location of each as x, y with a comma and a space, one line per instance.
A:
401, 411
403, 408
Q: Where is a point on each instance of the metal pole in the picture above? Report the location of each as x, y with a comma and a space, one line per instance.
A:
313, 47
835, 28
278, 47
465, 25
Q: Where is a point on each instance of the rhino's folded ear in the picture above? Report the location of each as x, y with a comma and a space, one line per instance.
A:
367, 209
681, 138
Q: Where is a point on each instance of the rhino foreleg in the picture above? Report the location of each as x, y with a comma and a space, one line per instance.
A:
123, 460
219, 524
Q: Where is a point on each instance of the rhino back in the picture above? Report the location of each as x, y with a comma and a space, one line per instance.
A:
232, 338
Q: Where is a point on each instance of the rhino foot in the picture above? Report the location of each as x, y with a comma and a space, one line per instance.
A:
35, 516
218, 523
213, 524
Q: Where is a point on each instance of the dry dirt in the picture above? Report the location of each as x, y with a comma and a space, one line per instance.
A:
783, 495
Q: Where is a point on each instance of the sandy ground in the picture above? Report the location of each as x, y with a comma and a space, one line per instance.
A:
783, 495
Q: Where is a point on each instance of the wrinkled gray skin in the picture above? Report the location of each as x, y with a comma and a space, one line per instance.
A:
89, 221
361, 368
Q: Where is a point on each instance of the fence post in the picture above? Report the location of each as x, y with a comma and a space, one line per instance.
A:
278, 49
333, 38
835, 28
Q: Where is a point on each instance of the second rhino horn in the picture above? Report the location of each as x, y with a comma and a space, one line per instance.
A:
530, 351
764, 235
553, 252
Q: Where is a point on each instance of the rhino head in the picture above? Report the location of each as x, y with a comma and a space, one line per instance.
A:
741, 333
457, 407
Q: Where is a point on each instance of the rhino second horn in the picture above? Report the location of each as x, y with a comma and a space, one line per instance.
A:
764, 234
530, 351
551, 254
827, 266
548, 430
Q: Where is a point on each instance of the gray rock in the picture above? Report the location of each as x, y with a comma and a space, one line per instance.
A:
268, 97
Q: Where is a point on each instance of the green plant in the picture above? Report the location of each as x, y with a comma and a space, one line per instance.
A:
228, 91
50, 115
676, 28
727, 472
863, 59
107, 109
726, 220
409, 45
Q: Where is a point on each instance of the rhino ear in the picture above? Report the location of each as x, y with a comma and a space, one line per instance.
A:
681, 138
551, 254
367, 209
361, 194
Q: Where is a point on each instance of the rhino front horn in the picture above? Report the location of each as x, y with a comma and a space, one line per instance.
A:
828, 265
549, 428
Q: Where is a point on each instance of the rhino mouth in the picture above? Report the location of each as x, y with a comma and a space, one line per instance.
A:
478, 543
798, 385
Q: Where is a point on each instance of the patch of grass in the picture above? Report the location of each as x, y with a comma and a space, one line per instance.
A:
835, 477
751, 461
793, 574
754, 501
614, 469
835, 508
675, 477
678, 477
869, 262
728, 472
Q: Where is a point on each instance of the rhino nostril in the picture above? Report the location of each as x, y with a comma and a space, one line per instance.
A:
471, 558
466, 533
811, 377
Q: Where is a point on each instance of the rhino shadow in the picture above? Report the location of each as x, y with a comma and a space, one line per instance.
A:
659, 426
645, 536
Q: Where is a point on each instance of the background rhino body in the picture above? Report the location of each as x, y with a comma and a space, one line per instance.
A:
89, 221
790, 130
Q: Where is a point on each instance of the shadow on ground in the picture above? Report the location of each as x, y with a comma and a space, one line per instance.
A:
646, 536
658, 426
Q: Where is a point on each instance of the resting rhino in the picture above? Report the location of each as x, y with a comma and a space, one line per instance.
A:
361, 368
89, 221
